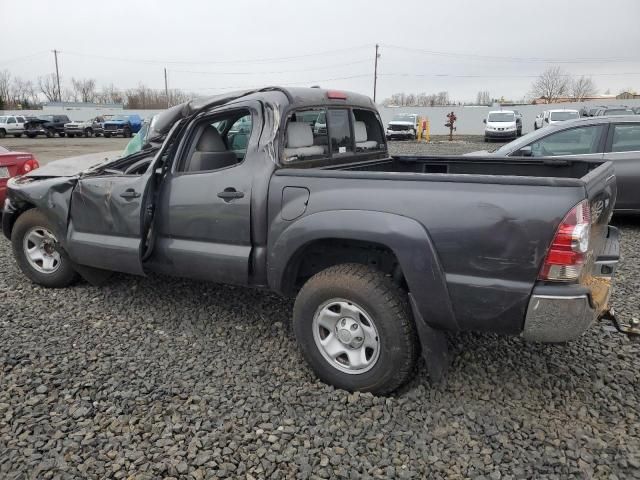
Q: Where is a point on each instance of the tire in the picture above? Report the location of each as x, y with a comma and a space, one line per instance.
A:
32, 135
61, 134
126, 133
486, 140
88, 133
3, 133
384, 320
70, 135
50, 132
17, 135
35, 221
107, 135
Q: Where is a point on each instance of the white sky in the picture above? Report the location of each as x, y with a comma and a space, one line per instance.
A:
504, 43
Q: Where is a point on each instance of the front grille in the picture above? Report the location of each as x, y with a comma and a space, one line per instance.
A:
399, 128
110, 127
4, 172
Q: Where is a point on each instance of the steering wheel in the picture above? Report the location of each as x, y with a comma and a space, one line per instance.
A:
134, 167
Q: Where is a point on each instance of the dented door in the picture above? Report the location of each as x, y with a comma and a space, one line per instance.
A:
107, 222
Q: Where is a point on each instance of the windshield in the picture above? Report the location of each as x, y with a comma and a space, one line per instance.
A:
502, 117
138, 141
403, 118
618, 111
46, 117
119, 118
3, 119
561, 116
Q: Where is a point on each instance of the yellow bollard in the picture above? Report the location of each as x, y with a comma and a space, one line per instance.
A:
426, 132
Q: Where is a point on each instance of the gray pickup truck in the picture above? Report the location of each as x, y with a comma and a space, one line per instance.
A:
382, 253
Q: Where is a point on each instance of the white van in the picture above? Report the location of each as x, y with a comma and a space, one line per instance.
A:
549, 117
500, 124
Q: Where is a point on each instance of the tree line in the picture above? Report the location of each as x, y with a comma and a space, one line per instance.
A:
18, 93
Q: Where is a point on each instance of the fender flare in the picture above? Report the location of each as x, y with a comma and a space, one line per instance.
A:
405, 237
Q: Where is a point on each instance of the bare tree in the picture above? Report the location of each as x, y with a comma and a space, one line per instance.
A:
84, 89
5, 88
583, 87
483, 98
48, 87
552, 84
110, 94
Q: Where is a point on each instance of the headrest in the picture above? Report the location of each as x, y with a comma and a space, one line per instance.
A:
211, 141
299, 135
360, 131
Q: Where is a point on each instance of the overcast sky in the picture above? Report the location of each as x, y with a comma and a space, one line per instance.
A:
461, 46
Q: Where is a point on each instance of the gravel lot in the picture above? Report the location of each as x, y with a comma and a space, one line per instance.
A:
160, 377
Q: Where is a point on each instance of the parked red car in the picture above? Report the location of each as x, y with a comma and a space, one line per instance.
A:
11, 165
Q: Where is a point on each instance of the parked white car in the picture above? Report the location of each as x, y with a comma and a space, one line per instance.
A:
403, 125
11, 125
500, 124
551, 117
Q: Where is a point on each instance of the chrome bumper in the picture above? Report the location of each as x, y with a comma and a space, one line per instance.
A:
554, 319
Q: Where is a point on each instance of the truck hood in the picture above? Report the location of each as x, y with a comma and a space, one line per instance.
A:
71, 166
115, 122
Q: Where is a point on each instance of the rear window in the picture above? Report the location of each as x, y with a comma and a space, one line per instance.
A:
562, 116
3, 119
340, 131
626, 138
502, 117
618, 111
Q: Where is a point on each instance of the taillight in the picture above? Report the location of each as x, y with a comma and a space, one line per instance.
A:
28, 166
567, 253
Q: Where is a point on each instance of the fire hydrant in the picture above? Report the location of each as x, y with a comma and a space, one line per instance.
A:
451, 124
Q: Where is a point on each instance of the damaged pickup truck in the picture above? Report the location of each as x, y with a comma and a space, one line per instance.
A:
383, 254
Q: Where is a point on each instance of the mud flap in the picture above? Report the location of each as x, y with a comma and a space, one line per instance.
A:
435, 346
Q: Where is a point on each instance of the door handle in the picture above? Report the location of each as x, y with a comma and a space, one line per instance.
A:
129, 193
229, 194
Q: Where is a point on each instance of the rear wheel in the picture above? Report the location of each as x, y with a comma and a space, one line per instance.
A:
50, 132
17, 135
3, 133
355, 329
38, 253
107, 135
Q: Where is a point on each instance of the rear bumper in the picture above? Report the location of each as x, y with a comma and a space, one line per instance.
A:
559, 313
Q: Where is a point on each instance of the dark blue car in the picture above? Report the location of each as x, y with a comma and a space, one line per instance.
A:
125, 125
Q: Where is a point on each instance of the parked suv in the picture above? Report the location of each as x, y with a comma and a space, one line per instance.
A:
47, 125
501, 124
551, 117
11, 125
403, 126
84, 128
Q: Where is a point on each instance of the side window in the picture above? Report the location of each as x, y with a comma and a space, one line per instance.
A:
340, 131
626, 138
306, 135
219, 142
11, 120
575, 141
20, 119
367, 131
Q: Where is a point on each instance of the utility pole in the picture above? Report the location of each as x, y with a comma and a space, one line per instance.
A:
55, 54
375, 74
166, 87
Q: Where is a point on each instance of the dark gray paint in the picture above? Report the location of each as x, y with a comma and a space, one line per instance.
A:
470, 246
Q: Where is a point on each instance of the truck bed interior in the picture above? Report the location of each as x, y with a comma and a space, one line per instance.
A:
538, 167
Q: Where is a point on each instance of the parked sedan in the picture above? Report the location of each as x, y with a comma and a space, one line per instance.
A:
13, 164
616, 111
615, 138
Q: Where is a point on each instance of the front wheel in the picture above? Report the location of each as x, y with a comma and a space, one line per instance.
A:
355, 329
50, 132
38, 253
107, 135
61, 134
2, 133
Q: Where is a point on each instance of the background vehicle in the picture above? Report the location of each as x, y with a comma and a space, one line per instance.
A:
518, 121
551, 117
47, 125
615, 139
615, 111
637, 110
125, 125
332, 219
84, 128
403, 126
12, 164
11, 125
500, 124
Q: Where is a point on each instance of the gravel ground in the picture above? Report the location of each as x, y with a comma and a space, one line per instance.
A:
160, 377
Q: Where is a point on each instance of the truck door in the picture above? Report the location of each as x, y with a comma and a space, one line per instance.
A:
623, 149
110, 216
204, 215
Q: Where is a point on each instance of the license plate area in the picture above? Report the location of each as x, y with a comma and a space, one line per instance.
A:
4, 172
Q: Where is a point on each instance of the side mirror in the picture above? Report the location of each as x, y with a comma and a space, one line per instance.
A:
525, 151
484, 120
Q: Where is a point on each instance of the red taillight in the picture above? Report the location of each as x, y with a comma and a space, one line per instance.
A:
28, 166
570, 244
334, 95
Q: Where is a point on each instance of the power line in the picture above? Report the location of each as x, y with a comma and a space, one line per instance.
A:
305, 82
221, 62
324, 67
448, 75
514, 59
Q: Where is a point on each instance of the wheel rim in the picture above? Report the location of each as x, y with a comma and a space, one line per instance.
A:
40, 249
346, 336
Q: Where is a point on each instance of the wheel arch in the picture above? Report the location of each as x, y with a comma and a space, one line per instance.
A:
406, 239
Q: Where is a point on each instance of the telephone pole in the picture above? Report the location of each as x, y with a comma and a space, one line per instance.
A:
375, 74
166, 87
55, 54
